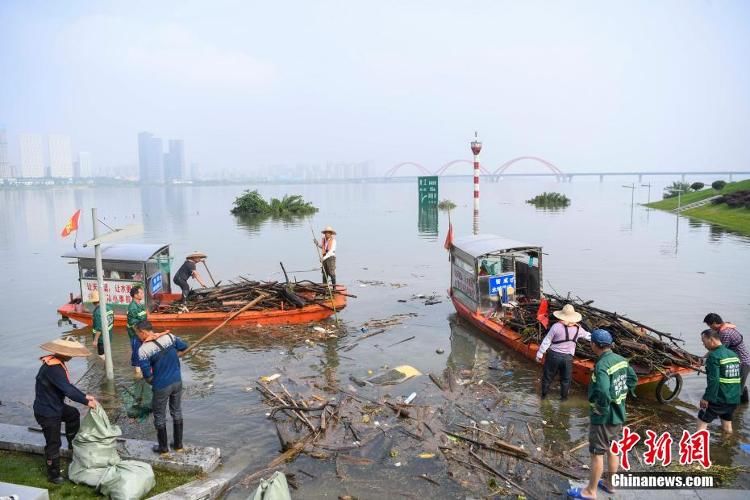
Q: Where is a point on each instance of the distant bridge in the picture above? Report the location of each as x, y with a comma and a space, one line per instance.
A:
552, 171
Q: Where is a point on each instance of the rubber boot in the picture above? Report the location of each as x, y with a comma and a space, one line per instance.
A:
177, 426
53, 471
161, 435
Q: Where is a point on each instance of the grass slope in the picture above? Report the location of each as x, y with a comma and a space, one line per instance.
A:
30, 470
671, 203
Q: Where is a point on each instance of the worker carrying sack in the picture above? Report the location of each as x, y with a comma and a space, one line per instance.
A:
274, 488
96, 462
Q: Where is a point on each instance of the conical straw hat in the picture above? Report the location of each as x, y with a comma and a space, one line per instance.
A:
568, 313
197, 255
94, 296
328, 229
66, 347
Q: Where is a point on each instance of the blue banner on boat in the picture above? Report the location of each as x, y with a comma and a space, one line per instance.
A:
156, 283
502, 282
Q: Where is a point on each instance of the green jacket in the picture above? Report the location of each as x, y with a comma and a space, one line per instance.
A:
611, 381
722, 376
136, 314
97, 326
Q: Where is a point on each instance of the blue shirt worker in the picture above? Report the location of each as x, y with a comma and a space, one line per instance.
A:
160, 366
50, 411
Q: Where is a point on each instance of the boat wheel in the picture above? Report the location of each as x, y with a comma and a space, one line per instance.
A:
669, 388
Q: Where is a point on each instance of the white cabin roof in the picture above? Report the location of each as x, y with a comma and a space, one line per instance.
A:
128, 252
483, 244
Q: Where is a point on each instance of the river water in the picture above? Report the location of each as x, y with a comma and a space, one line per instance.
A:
665, 272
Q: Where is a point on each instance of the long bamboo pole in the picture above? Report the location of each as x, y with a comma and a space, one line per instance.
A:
244, 308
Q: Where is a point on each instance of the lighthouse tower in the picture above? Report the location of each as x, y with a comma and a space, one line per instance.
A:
476, 148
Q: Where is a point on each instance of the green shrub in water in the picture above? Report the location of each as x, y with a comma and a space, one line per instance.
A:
549, 200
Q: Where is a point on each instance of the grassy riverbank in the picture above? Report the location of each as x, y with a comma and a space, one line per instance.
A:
30, 470
736, 219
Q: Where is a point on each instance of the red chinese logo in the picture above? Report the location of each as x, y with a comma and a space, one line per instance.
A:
695, 448
658, 448
623, 446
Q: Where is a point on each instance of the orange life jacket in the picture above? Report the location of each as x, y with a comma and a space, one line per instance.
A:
52, 360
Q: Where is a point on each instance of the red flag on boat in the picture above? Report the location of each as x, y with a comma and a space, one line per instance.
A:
449, 237
72, 225
542, 314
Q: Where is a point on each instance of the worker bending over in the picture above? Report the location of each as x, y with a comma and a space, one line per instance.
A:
722, 383
732, 338
188, 270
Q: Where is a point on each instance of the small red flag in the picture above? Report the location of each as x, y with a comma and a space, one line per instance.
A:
449, 237
542, 315
72, 225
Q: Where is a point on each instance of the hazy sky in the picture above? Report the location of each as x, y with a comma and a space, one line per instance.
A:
586, 85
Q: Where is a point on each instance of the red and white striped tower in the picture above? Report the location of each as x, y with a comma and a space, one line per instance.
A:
476, 147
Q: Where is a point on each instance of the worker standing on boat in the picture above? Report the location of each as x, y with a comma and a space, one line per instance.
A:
560, 346
722, 382
136, 314
611, 381
160, 365
50, 411
187, 271
96, 328
733, 339
328, 260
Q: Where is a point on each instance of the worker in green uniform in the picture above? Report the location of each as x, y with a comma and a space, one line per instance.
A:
136, 314
723, 383
96, 329
611, 381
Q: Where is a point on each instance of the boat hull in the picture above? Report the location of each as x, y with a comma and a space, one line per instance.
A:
307, 314
582, 368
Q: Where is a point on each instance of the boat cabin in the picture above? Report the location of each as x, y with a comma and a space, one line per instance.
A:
490, 273
124, 265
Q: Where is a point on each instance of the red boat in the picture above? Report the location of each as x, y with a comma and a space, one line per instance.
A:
149, 265
490, 275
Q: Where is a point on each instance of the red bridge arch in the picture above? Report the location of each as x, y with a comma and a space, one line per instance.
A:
392, 171
444, 168
551, 166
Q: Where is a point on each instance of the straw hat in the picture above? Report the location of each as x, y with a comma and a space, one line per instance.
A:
66, 347
95, 296
568, 313
197, 255
328, 229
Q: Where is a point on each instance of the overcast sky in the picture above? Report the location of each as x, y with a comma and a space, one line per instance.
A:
595, 85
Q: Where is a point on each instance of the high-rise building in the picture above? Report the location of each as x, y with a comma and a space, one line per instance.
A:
32, 156
4, 163
60, 156
195, 172
150, 158
174, 161
84, 164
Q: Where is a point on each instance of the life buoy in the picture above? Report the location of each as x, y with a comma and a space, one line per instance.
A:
663, 382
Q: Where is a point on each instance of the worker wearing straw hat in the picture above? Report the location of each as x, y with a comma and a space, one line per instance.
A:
188, 270
52, 387
96, 328
560, 346
328, 259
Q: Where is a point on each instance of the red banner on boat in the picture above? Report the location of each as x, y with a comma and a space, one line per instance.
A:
72, 225
542, 314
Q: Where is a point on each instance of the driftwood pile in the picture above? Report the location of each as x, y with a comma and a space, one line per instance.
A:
230, 297
647, 349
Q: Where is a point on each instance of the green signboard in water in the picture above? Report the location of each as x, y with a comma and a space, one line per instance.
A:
428, 190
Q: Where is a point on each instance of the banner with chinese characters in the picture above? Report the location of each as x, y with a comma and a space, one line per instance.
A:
465, 282
116, 292
501, 281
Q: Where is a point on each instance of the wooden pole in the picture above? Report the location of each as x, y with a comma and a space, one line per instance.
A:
244, 308
209, 272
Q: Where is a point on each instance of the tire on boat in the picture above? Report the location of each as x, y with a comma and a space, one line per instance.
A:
672, 395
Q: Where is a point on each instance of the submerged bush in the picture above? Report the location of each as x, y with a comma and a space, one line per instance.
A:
549, 200
251, 203
446, 205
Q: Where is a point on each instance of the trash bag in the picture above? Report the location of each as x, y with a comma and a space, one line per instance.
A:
96, 461
137, 400
128, 480
274, 488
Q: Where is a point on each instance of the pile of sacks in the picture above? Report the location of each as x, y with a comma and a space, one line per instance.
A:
96, 462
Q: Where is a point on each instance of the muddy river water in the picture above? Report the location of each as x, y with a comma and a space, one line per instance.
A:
665, 272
